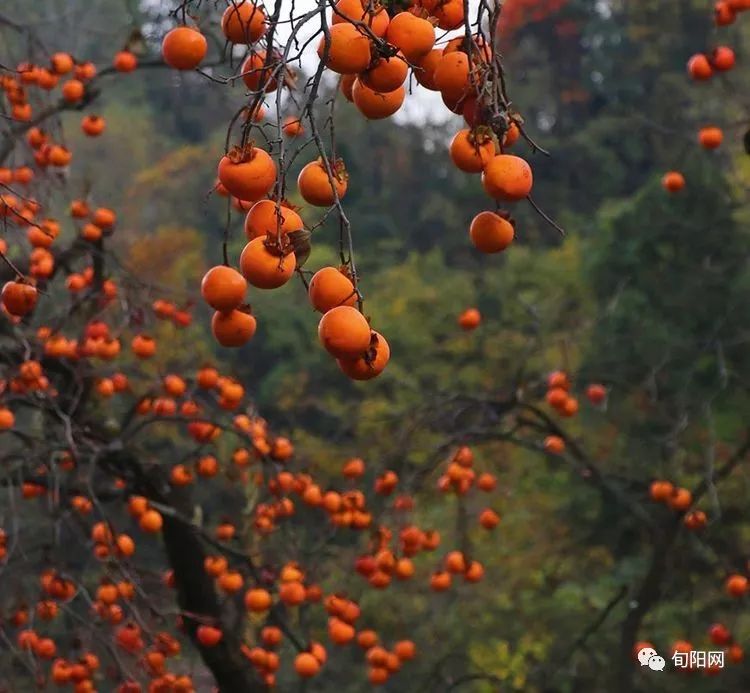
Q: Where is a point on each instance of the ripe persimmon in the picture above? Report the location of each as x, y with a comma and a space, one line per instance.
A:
331, 287
73, 91
306, 665
207, 466
292, 126
223, 288
455, 562
151, 521
491, 233
248, 172
59, 155
85, 71
125, 61
282, 449
373, 16
596, 393
489, 519
23, 175
315, 186
569, 407
265, 217
340, 632
265, 266
440, 581
724, 15
230, 581
367, 639
722, 58
36, 137
348, 49
471, 150
7, 419
244, 22
344, 332
353, 468
554, 445
424, 70
125, 545
385, 74
45, 648
370, 364
474, 572
507, 177
375, 105
412, 35
61, 63
91, 233
673, 181
735, 654
137, 505
233, 328
79, 209
207, 377
184, 47
23, 112
710, 137
661, 491
511, 134
143, 346
736, 585
469, 319
345, 86
292, 593
256, 75
695, 520
452, 75
449, 13
700, 68
405, 650
174, 385
208, 636
93, 125
486, 482
680, 500
19, 297
271, 636
257, 600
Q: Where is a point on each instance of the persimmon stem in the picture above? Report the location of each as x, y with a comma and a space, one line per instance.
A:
10, 264
544, 216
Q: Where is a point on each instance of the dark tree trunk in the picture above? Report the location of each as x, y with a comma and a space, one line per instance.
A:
196, 593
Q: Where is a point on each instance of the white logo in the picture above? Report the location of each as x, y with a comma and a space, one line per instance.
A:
694, 659
698, 659
648, 657
657, 663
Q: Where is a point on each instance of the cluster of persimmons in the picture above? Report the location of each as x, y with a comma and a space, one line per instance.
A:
104, 346
703, 67
372, 50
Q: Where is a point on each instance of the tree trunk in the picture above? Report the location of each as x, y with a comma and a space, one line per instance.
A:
647, 595
196, 593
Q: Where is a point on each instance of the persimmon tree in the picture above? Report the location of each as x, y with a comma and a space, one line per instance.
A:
112, 446
88, 424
